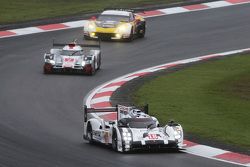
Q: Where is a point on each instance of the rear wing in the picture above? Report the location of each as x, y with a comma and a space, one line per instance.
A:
82, 45
122, 111
87, 111
119, 9
133, 10
98, 45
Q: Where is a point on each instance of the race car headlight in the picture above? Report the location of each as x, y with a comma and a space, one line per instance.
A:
127, 136
118, 35
83, 63
122, 28
87, 59
177, 133
91, 26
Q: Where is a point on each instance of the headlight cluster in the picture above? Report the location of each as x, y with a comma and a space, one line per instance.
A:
83, 63
91, 26
122, 28
127, 136
177, 132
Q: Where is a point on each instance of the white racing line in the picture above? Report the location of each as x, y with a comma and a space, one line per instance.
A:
100, 97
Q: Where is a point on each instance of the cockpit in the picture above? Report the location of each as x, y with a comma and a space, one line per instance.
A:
137, 122
72, 52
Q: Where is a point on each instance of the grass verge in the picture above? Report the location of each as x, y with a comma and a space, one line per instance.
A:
19, 10
210, 99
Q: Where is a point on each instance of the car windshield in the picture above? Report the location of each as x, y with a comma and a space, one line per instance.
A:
117, 18
137, 122
71, 53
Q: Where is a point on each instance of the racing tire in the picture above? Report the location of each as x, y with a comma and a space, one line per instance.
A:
93, 68
99, 62
86, 37
114, 142
141, 32
175, 149
47, 69
131, 37
90, 134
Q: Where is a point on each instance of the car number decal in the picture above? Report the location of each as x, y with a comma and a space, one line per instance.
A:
68, 62
152, 136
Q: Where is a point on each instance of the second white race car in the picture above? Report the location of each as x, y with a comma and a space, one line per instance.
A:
132, 129
72, 58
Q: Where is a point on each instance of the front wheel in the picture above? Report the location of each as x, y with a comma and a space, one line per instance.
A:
90, 69
87, 37
47, 68
99, 62
131, 36
142, 33
114, 142
93, 68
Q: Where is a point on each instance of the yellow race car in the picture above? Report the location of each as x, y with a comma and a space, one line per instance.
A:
115, 24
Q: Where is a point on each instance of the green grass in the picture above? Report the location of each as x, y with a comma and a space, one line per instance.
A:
210, 99
20, 10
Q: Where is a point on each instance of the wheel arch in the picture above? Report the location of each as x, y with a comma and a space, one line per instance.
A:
93, 123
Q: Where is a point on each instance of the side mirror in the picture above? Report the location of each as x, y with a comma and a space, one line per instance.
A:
48, 56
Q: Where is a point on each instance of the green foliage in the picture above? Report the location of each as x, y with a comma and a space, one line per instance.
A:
209, 99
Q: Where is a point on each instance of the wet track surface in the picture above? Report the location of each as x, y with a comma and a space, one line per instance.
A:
41, 117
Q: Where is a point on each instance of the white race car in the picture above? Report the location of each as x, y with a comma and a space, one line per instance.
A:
132, 129
72, 58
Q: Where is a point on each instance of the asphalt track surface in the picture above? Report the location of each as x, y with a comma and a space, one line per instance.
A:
41, 117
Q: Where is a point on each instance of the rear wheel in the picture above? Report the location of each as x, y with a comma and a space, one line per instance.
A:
89, 133
141, 32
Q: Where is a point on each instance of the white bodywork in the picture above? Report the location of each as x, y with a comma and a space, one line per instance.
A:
125, 137
72, 57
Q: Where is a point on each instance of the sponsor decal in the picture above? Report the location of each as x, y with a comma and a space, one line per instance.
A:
97, 135
152, 136
68, 62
